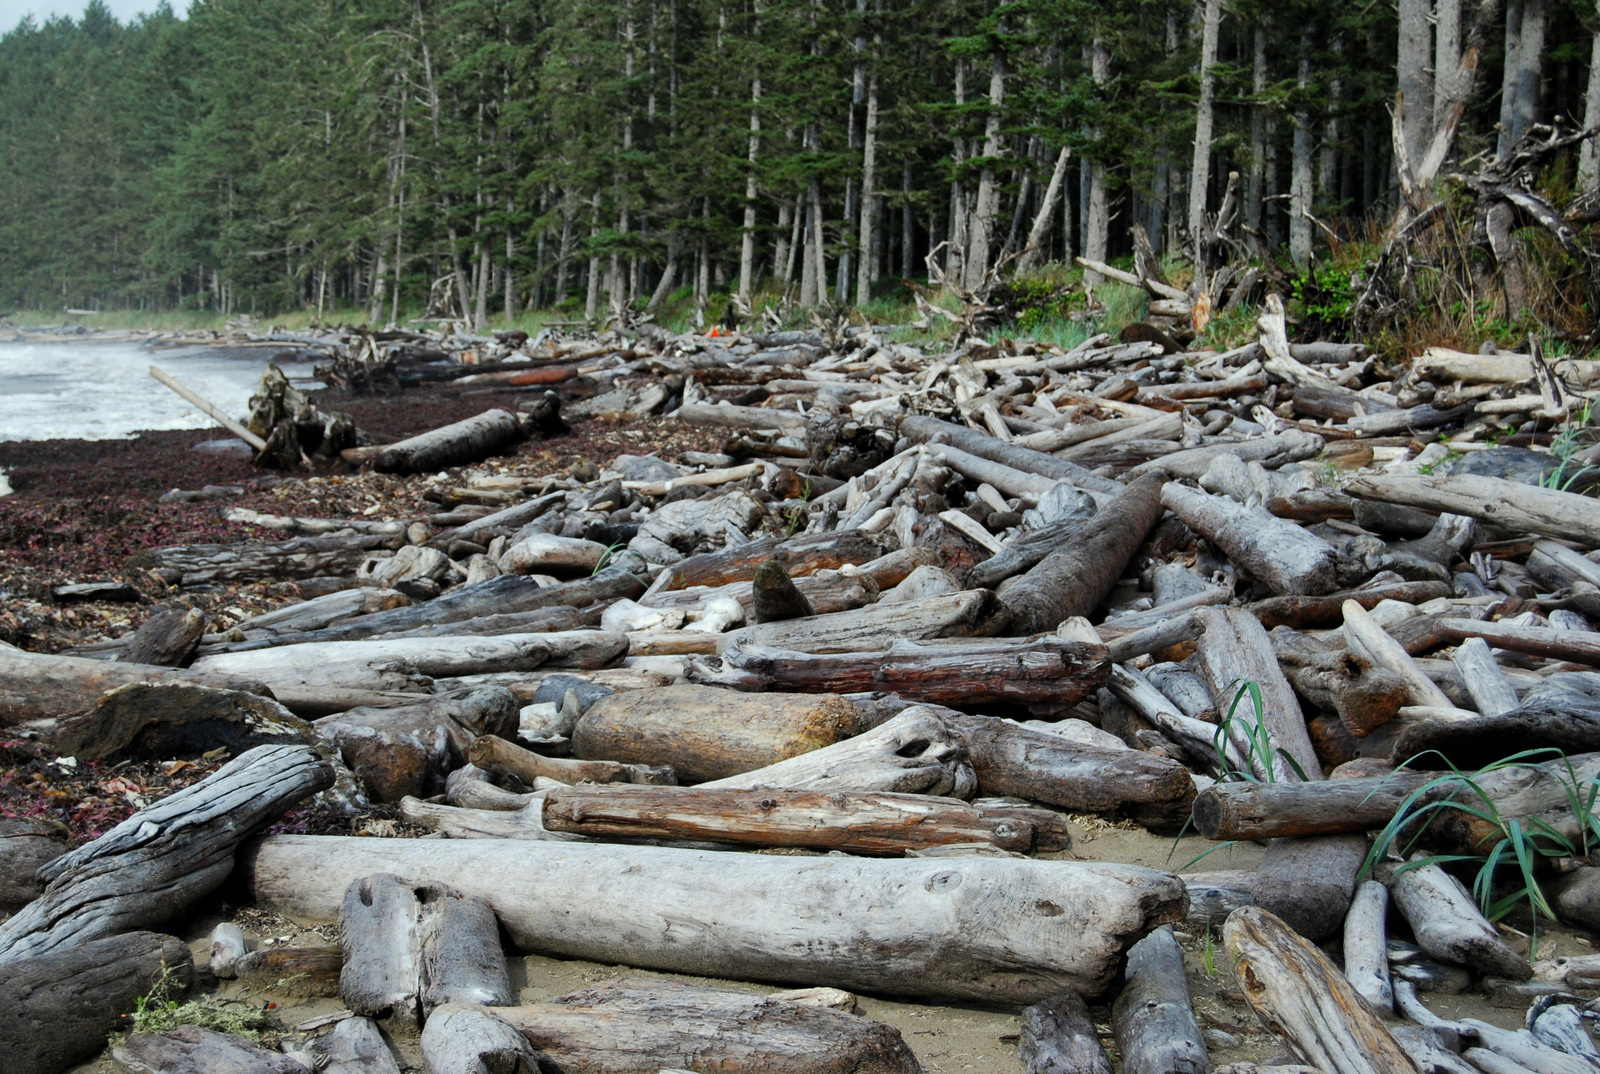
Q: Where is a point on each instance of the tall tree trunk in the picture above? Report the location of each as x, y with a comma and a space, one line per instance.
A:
1589, 155
1255, 185
1097, 227
1530, 67
1201, 172
1300, 175
591, 301
783, 254
956, 251
747, 246
463, 288
1446, 56
869, 197
986, 209
1508, 84
511, 251
1328, 162
1415, 80
810, 281
906, 270
1034, 251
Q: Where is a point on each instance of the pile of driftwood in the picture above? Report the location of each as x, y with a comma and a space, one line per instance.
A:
918, 610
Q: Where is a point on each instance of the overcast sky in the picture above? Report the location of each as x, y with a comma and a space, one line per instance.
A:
12, 11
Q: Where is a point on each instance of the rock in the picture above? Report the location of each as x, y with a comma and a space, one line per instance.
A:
645, 468
409, 564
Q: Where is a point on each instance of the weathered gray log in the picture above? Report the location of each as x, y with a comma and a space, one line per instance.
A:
1197, 739
1328, 609
631, 1025
463, 1038
167, 638
799, 555
1288, 558
1562, 712
409, 749
152, 865
398, 664
1579, 646
505, 594
1027, 550
1308, 881
456, 822
1258, 810
462, 961
706, 733
464, 441
192, 1050
1491, 692
1058, 1037
913, 753
1299, 995
1366, 955
57, 1009
382, 947
354, 1046
1557, 1022
1152, 1018
509, 519
1448, 925
1016, 761
538, 621
494, 754
998, 929
1523, 1051
923, 429
1539, 796
1270, 451
1235, 650
39, 685
1511, 504
27, 844
1046, 671
974, 612
164, 720
1213, 896
255, 561
1075, 578
854, 822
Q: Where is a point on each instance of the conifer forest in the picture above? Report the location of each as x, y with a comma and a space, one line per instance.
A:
484, 158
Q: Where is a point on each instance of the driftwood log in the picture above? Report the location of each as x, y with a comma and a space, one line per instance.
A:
39, 685
858, 823
192, 1050
152, 865
464, 1038
1012, 760
464, 441
1251, 810
1288, 558
399, 664
1299, 995
58, 1008
707, 733
916, 752
1308, 881
1447, 924
627, 1026
255, 561
1003, 930
1058, 1037
1511, 504
1049, 671
1235, 650
1152, 1018
494, 754
1076, 577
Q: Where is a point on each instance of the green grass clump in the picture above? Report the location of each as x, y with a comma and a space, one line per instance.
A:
158, 1012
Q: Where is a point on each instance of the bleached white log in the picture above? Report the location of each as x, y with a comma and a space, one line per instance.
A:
996, 929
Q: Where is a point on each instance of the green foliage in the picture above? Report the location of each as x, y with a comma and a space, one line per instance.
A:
1522, 845
1324, 299
158, 1012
